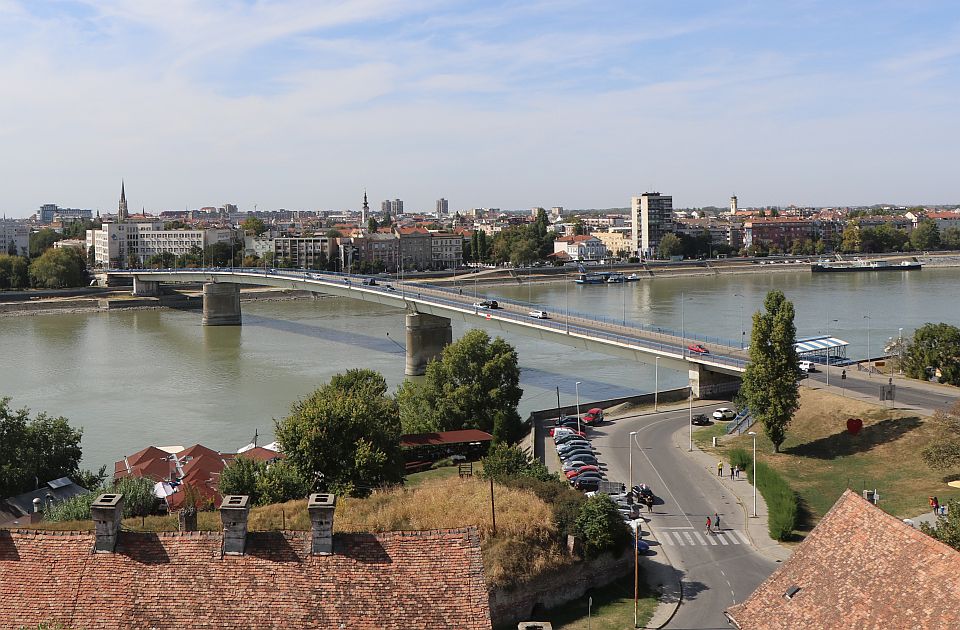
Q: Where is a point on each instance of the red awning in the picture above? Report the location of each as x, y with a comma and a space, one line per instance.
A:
444, 437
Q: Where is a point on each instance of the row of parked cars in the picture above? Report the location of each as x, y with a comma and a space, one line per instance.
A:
579, 459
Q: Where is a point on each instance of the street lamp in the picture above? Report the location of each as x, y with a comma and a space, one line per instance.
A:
578, 406
566, 303
742, 331
656, 381
900, 350
754, 434
690, 419
632, 438
867, 317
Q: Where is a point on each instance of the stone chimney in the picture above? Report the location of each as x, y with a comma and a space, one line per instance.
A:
321, 508
233, 514
106, 511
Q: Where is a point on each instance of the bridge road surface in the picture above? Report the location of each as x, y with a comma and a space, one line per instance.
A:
717, 570
909, 393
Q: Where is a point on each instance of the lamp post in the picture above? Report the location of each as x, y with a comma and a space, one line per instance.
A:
742, 331
690, 419
632, 438
566, 304
683, 334
900, 350
754, 435
867, 317
578, 406
656, 382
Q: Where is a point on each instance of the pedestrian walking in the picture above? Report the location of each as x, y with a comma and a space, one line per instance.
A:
736, 473
649, 502
720, 468
716, 521
731, 471
936, 505
709, 528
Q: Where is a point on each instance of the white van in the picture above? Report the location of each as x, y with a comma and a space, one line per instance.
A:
807, 366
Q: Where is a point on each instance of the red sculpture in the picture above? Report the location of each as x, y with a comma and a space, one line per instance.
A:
854, 425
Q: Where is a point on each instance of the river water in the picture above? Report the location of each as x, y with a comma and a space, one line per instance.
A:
136, 378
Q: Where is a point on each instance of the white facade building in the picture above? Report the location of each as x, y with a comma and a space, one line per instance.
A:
583, 247
119, 245
446, 250
652, 217
14, 237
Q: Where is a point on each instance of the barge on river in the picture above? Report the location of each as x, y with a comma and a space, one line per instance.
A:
864, 265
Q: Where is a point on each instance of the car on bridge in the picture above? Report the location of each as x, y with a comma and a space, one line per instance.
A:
697, 349
486, 304
539, 315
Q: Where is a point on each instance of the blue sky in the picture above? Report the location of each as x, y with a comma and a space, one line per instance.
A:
304, 103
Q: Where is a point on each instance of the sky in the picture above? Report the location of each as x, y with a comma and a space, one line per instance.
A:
304, 104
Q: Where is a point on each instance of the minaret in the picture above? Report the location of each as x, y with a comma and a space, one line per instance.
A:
363, 213
122, 211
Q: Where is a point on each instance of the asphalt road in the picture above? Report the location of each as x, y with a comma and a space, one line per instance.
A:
908, 393
717, 570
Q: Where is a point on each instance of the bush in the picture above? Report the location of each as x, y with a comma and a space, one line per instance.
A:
281, 482
240, 477
565, 501
782, 505
600, 526
138, 500
503, 462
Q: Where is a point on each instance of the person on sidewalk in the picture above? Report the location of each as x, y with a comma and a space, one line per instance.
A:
709, 526
649, 501
935, 503
731, 471
716, 520
736, 472
720, 468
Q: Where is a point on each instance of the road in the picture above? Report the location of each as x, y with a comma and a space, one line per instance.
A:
717, 570
909, 393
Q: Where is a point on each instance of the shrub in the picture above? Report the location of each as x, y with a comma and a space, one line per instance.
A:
138, 500
503, 462
73, 509
781, 500
600, 526
240, 477
565, 501
281, 482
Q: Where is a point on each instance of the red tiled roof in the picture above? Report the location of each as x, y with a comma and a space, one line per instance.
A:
260, 454
399, 580
151, 452
859, 568
575, 239
197, 450
445, 437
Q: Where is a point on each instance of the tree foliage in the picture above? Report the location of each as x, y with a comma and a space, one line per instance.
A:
255, 225
474, 385
600, 525
59, 268
943, 453
770, 382
35, 450
670, 245
946, 530
138, 500
346, 435
240, 477
42, 240
518, 244
504, 461
925, 236
934, 346
263, 483
14, 272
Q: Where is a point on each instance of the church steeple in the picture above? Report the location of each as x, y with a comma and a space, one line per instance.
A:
366, 208
122, 210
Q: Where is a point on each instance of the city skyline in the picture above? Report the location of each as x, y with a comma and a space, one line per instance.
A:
304, 105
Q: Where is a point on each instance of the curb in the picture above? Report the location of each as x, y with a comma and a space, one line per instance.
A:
658, 620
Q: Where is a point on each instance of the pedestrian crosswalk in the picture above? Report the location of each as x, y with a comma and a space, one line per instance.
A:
691, 538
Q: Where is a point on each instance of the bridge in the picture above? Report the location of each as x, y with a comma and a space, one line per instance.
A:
430, 309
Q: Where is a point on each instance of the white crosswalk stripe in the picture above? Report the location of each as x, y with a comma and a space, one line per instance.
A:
685, 538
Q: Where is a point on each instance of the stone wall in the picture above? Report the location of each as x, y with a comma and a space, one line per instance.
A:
509, 607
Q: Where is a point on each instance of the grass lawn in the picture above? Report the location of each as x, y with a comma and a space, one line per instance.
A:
703, 436
612, 608
820, 459
415, 479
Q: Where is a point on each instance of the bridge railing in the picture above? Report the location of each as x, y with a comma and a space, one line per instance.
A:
559, 325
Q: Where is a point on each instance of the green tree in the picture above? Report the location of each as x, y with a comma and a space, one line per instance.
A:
579, 229
474, 385
255, 225
523, 252
162, 260
600, 526
42, 240
345, 435
946, 530
850, 241
770, 382
14, 272
35, 450
332, 233
670, 245
943, 452
504, 461
372, 224
281, 482
925, 236
58, 268
937, 347
950, 238
240, 477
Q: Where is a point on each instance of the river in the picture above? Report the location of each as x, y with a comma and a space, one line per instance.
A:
135, 378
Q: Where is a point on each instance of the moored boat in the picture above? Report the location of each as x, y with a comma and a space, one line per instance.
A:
864, 265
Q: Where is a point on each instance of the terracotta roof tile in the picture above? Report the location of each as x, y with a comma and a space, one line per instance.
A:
859, 568
400, 580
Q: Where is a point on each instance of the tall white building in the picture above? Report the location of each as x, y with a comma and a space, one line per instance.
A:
652, 216
14, 237
443, 207
733, 204
120, 245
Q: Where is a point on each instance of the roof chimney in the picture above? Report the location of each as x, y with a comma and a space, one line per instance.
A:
321, 508
233, 514
106, 511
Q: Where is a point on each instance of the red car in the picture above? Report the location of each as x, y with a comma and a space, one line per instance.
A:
594, 416
573, 473
697, 348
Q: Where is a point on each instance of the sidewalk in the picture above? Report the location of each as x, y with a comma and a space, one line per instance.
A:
742, 491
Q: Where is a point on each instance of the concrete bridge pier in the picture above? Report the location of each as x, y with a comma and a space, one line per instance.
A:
427, 336
706, 383
221, 304
146, 288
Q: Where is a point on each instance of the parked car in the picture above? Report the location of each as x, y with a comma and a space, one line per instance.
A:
807, 366
585, 485
570, 474
697, 348
594, 416
590, 474
576, 464
570, 445
642, 546
700, 420
575, 454
581, 459
564, 421
567, 437
724, 413
539, 315
557, 432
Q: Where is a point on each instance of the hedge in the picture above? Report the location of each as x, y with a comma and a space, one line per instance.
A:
782, 502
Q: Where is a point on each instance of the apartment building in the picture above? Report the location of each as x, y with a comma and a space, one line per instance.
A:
652, 217
120, 245
584, 247
416, 248
615, 242
14, 238
446, 250
307, 252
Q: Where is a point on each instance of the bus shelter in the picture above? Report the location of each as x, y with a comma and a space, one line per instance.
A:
825, 350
